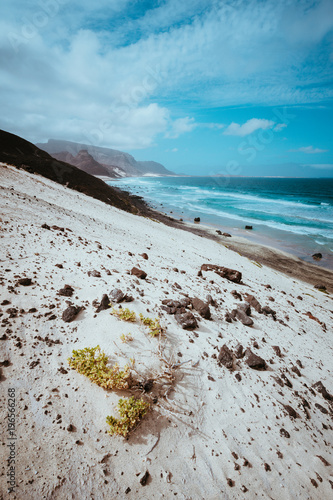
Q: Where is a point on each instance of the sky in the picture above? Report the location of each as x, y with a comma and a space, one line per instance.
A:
229, 87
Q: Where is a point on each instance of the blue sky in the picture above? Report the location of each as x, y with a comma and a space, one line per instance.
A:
203, 86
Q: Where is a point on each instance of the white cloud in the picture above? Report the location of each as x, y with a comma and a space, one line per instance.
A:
321, 166
181, 126
310, 150
88, 62
248, 127
280, 126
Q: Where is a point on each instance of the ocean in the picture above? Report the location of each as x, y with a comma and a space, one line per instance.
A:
293, 215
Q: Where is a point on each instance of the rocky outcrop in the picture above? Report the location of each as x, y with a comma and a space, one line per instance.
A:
67, 291
175, 306
266, 310
225, 357
70, 313
24, 281
253, 302
104, 304
186, 320
319, 386
135, 271
117, 295
254, 361
243, 313
201, 307
94, 274
224, 272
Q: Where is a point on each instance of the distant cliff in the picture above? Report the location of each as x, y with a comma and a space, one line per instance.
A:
107, 158
15, 150
84, 161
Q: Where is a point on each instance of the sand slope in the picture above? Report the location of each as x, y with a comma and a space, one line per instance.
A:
217, 434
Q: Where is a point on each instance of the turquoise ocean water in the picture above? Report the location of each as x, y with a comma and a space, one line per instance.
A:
294, 215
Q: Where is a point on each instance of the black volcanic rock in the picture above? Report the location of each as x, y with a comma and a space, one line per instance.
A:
319, 386
254, 361
225, 357
201, 307
186, 320
67, 291
24, 281
116, 295
224, 272
242, 313
135, 271
104, 304
253, 302
70, 313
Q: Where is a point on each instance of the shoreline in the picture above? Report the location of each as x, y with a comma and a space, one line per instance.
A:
276, 259
296, 246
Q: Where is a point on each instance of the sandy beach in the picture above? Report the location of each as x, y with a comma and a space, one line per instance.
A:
240, 399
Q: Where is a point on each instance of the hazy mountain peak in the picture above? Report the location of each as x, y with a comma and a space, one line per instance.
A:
106, 157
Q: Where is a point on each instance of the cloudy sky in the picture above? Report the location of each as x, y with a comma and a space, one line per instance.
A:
227, 86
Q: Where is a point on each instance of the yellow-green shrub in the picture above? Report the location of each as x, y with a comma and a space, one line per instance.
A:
93, 363
131, 411
124, 314
153, 324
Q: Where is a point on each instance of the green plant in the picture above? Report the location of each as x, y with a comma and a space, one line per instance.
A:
131, 411
124, 314
153, 324
93, 363
126, 338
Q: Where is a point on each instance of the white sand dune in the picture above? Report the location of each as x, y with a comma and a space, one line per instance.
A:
219, 433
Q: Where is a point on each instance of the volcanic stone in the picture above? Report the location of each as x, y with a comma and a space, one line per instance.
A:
24, 281
117, 295
94, 274
144, 478
319, 386
202, 308
254, 361
253, 302
277, 350
138, 273
267, 310
67, 291
186, 320
242, 313
105, 303
70, 313
239, 352
224, 272
225, 357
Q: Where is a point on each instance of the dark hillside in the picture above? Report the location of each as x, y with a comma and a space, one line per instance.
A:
23, 154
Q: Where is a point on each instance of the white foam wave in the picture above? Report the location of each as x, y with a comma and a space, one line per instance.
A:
301, 230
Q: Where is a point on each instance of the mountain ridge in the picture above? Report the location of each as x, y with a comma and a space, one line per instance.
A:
14, 150
84, 161
107, 157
